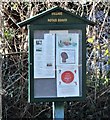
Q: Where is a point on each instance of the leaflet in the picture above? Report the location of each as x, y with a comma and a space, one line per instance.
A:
44, 57
67, 48
67, 81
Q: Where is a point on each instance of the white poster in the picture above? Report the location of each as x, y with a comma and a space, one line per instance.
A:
67, 56
67, 52
44, 57
67, 48
67, 81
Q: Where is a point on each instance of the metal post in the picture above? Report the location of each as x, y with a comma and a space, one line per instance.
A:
58, 110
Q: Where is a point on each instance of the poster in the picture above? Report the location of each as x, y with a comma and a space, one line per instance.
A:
67, 48
67, 81
44, 57
67, 56
67, 60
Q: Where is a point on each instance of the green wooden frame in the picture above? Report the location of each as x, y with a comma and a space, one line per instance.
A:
31, 29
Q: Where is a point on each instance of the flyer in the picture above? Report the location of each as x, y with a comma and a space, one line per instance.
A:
67, 56
67, 81
44, 57
67, 48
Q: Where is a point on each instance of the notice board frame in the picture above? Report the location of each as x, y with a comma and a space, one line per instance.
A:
31, 29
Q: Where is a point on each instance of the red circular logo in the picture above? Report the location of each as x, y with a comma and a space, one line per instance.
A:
67, 77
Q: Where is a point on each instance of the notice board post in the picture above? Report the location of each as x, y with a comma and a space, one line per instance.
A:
57, 57
58, 110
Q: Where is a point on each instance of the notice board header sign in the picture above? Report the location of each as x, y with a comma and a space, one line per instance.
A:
55, 15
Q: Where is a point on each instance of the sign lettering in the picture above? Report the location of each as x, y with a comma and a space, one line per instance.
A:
57, 20
57, 13
52, 20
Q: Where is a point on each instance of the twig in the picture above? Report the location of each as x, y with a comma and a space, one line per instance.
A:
14, 82
106, 15
42, 112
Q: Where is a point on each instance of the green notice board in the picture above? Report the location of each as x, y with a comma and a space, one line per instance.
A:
57, 56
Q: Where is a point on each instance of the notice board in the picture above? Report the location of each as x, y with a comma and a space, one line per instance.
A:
57, 55
57, 63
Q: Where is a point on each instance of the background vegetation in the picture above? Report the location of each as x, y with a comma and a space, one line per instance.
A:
15, 62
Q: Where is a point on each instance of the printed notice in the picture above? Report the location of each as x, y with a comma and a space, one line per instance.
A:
67, 56
44, 57
67, 81
67, 48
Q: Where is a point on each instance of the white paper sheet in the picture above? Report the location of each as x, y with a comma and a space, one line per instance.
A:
44, 57
67, 48
67, 81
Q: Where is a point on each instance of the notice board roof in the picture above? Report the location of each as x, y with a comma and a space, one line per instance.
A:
55, 9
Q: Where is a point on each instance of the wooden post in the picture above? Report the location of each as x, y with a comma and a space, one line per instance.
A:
0, 87
58, 110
